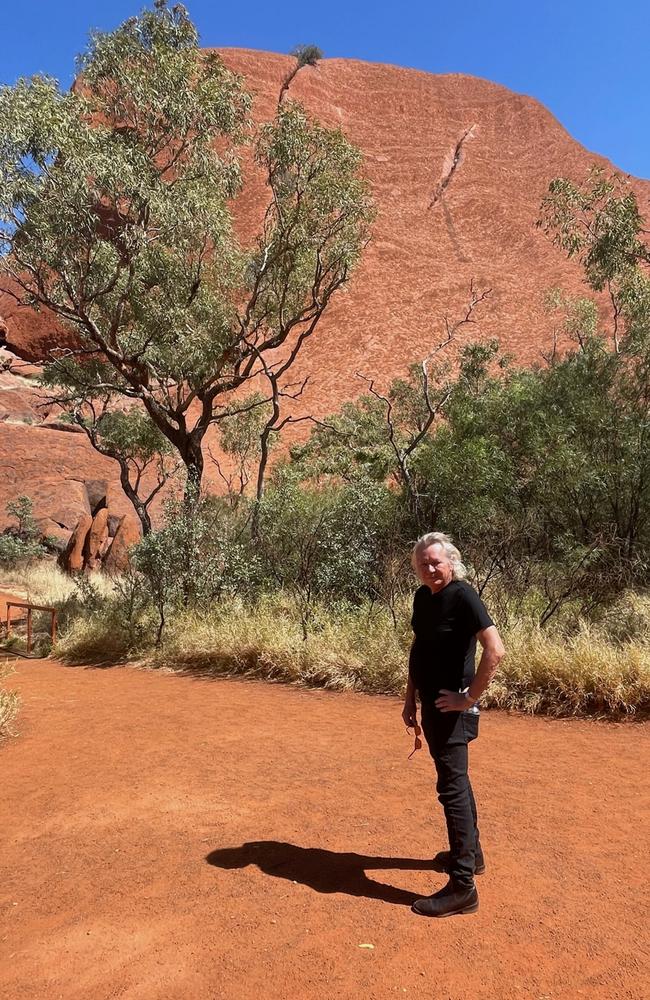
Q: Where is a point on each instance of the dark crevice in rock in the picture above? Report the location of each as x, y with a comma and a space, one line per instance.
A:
305, 55
286, 83
456, 159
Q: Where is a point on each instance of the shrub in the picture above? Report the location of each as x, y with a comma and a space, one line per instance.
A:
9, 704
20, 544
196, 558
323, 543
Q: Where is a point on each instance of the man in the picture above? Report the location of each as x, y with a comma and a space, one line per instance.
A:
448, 618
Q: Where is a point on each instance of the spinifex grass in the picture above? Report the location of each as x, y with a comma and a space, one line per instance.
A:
9, 703
582, 674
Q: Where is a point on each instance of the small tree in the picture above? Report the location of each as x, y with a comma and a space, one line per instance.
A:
142, 453
115, 428
197, 556
600, 224
21, 543
382, 433
116, 205
321, 543
239, 439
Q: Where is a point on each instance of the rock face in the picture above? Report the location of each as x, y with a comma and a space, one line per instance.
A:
457, 166
72, 558
102, 540
28, 333
51, 466
127, 534
96, 540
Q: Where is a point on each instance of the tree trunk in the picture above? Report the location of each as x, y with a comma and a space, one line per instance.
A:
261, 472
192, 456
138, 506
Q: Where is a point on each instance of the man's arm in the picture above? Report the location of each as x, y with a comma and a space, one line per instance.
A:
410, 710
493, 653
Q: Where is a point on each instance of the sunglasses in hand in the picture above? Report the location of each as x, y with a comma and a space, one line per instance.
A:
418, 741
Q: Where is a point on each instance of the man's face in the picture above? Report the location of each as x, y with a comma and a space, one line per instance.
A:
433, 567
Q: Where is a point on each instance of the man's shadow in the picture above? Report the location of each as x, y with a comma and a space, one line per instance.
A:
321, 870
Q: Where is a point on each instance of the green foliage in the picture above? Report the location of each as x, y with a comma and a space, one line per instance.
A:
307, 55
240, 439
323, 543
116, 213
351, 444
195, 559
21, 544
111, 619
542, 475
22, 509
131, 433
599, 223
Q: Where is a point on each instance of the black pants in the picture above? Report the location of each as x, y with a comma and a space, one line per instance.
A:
448, 735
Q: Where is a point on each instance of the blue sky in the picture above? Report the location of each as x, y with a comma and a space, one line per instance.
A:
586, 60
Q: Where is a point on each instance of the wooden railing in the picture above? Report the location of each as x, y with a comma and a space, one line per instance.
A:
30, 608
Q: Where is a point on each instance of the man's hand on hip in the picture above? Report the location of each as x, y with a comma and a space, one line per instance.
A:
452, 701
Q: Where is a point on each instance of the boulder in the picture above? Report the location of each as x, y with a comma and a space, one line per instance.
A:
52, 424
72, 559
58, 537
127, 535
105, 545
95, 540
15, 364
20, 400
52, 468
67, 515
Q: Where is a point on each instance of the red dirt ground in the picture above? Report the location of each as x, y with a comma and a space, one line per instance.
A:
173, 838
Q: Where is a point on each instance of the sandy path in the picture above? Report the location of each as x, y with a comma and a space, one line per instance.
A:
172, 838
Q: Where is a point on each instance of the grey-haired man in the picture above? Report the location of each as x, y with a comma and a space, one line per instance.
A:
448, 618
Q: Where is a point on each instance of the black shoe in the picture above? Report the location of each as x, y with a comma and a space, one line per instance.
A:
442, 863
450, 901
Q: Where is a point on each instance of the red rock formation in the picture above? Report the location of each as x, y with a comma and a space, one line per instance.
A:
91, 545
96, 540
72, 558
127, 534
458, 167
50, 466
29, 334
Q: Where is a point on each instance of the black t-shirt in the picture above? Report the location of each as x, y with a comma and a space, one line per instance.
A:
445, 626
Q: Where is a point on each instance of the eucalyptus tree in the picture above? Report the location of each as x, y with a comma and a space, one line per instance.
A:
118, 202
600, 223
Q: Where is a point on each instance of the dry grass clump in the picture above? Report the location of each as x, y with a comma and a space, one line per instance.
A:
93, 639
584, 674
44, 582
9, 704
354, 650
47, 584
